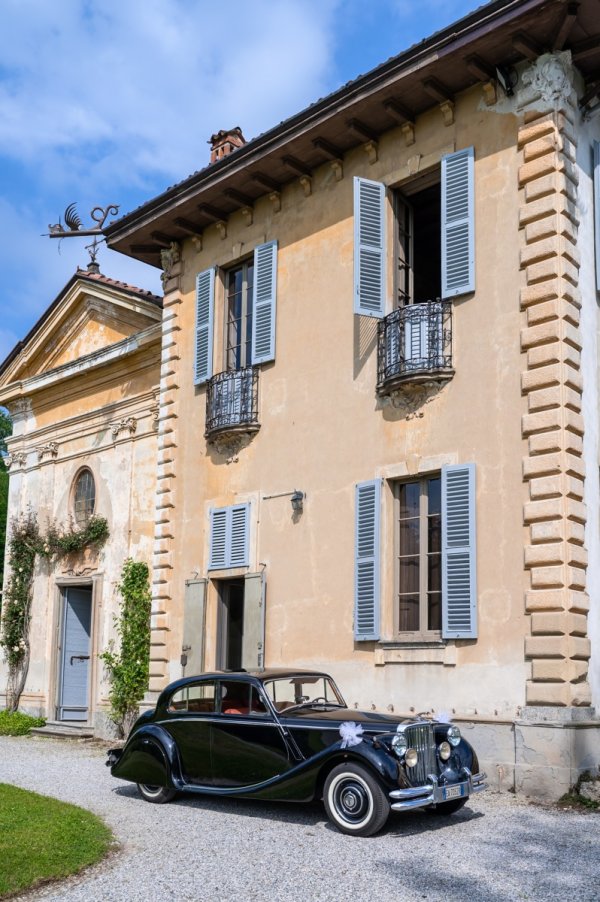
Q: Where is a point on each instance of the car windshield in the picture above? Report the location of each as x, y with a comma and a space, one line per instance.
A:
303, 691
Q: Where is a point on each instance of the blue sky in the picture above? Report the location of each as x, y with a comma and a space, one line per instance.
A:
112, 101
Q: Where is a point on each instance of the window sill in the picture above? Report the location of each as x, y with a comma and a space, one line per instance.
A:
416, 652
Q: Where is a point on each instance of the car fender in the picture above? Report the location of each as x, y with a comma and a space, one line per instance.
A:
149, 756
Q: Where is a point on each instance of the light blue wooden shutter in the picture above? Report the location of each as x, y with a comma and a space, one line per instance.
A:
218, 539
264, 302
597, 209
459, 583
229, 537
239, 530
369, 248
203, 349
458, 223
366, 575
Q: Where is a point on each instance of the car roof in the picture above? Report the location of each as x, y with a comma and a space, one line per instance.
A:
272, 673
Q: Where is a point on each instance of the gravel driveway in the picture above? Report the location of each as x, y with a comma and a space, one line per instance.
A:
496, 848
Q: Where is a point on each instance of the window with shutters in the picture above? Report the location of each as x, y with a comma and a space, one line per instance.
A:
248, 290
418, 558
239, 283
229, 537
418, 248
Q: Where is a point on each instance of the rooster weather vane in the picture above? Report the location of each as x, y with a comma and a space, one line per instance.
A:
73, 227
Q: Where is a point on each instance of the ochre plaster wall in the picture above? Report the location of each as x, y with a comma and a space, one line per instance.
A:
323, 429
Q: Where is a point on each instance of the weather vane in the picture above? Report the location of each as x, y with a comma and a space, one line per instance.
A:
73, 227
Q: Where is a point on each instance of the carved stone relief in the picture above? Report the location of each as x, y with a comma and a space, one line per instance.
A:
127, 424
16, 458
410, 399
169, 257
50, 449
230, 445
549, 77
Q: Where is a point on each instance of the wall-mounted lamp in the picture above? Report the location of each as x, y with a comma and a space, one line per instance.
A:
296, 497
297, 500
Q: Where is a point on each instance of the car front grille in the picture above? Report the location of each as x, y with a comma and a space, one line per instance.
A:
420, 736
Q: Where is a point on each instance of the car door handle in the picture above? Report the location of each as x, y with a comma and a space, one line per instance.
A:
79, 658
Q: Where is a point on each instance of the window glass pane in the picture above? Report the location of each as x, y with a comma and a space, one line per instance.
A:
409, 536
257, 706
409, 574
199, 698
410, 494
434, 572
235, 697
249, 281
287, 692
434, 540
419, 538
408, 613
434, 614
84, 501
434, 495
239, 316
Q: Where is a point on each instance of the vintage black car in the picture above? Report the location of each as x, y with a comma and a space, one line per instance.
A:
287, 735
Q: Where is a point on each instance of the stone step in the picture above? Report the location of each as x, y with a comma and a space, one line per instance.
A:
63, 731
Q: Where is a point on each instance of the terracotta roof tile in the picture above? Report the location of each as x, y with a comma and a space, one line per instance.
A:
123, 286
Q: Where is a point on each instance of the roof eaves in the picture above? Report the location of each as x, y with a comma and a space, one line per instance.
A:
369, 81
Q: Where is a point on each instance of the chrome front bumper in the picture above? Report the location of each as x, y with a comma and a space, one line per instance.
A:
431, 793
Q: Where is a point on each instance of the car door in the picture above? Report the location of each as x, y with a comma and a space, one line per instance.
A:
248, 744
189, 715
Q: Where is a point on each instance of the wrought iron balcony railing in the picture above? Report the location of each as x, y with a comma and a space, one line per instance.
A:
232, 402
415, 344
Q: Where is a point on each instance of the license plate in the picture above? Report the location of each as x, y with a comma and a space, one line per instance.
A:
453, 792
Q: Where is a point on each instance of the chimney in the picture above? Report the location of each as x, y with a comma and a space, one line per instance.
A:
225, 142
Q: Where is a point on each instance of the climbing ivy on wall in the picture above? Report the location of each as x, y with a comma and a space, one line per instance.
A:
25, 544
129, 668
5, 430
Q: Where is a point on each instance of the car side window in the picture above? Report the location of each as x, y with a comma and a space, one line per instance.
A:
195, 698
239, 698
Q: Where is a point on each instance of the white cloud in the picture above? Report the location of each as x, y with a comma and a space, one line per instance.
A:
149, 80
111, 100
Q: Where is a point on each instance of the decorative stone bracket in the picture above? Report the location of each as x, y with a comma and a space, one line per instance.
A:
17, 458
127, 424
230, 444
168, 258
410, 398
48, 450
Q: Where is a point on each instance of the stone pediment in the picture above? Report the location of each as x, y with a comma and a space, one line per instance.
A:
86, 318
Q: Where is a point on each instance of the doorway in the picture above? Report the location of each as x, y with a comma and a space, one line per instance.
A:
74, 654
231, 624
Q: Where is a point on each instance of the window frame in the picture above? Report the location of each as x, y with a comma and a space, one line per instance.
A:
186, 689
423, 634
247, 314
404, 256
82, 522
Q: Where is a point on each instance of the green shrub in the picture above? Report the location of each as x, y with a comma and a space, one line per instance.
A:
15, 723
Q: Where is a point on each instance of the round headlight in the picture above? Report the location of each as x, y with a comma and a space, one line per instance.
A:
411, 757
453, 735
445, 751
399, 745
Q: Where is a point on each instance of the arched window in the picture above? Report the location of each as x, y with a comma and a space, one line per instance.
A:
84, 497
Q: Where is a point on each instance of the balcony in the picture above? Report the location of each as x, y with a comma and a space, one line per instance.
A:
415, 346
232, 403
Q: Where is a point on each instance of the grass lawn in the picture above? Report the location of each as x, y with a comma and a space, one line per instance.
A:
43, 839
